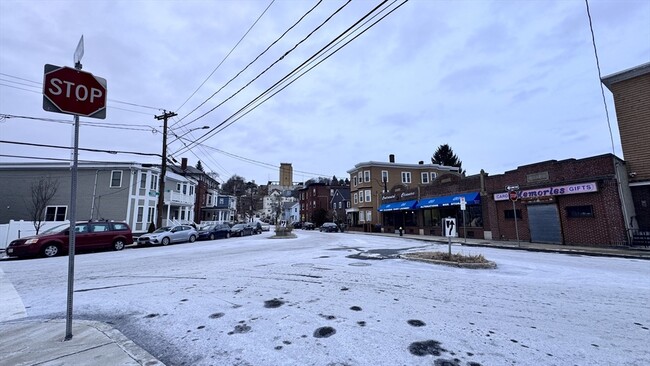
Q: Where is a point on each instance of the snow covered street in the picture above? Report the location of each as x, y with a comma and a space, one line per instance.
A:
260, 301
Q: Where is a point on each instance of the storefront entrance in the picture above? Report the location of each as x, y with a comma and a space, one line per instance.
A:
544, 224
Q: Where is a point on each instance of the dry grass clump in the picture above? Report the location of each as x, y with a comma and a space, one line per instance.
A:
458, 258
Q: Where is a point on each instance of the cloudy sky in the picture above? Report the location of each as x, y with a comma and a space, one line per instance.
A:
504, 83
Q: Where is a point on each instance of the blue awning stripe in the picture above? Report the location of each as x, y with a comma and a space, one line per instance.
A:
473, 198
396, 206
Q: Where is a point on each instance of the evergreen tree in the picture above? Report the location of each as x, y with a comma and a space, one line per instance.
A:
199, 166
444, 155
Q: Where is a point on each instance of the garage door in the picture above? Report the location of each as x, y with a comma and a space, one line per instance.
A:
544, 224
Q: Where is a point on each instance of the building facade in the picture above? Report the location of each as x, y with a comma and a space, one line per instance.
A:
631, 92
370, 181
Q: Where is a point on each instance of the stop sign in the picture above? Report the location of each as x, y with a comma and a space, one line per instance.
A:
512, 195
71, 91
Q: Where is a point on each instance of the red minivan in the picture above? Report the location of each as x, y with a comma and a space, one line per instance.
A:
91, 235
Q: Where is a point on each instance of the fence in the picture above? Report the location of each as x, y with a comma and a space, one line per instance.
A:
19, 229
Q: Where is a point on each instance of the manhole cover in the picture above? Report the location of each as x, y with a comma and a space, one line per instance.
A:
359, 264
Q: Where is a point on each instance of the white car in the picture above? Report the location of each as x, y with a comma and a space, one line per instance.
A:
169, 234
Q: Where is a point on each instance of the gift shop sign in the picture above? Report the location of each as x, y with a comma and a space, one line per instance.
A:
550, 191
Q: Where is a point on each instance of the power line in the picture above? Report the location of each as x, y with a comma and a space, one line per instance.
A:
316, 55
273, 64
121, 126
225, 58
254, 60
83, 149
600, 77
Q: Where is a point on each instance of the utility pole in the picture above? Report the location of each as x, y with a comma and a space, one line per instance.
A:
163, 170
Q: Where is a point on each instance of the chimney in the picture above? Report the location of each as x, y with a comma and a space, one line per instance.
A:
184, 163
391, 158
421, 162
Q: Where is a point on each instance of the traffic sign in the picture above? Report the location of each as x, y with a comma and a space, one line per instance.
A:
512, 195
71, 91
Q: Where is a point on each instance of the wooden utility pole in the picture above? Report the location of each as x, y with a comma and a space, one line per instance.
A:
163, 169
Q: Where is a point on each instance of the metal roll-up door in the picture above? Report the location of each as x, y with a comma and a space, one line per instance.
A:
544, 224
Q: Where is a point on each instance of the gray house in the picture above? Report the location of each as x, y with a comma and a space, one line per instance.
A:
124, 191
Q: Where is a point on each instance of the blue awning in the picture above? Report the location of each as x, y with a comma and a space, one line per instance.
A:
473, 198
395, 206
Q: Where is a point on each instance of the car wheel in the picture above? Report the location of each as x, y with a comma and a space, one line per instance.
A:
165, 241
50, 250
118, 244
211, 236
192, 238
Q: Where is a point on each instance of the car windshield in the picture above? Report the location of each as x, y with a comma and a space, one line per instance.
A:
238, 226
163, 229
56, 229
207, 227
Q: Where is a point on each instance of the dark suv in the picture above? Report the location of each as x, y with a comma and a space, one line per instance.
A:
91, 235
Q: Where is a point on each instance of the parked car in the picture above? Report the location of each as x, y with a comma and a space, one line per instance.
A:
91, 235
266, 226
241, 230
308, 226
169, 234
257, 228
329, 227
214, 231
297, 225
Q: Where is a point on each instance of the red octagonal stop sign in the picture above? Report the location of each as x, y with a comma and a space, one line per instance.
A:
71, 91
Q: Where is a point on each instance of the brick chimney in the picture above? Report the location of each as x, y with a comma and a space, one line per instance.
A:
184, 163
391, 158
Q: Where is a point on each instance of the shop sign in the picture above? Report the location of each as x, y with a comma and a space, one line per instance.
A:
551, 191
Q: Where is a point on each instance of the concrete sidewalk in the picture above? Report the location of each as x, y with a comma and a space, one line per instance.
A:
618, 252
41, 342
92, 343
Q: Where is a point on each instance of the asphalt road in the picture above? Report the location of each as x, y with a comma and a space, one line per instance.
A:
304, 301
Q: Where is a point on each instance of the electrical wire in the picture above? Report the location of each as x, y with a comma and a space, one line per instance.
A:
254, 60
600, 77
225, 58
80, 148
217, 129
273, 64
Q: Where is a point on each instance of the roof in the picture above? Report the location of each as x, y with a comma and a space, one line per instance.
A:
628, 74
399, 165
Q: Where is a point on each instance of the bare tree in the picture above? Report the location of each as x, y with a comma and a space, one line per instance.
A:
43, 191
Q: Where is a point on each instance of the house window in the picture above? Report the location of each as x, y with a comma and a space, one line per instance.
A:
360, 175
580, 211
191, 190
361, 196
369, 216
406, 177
356, 198
366, 175
368, 197
143, 180
354, 180
140, 214
347, 204
116, 178
178, 187
55, 213
154, 182
362, 216
340, 204
433, 176
150, 215
384, 176
184, 188
334, 206
509, 215
425, 177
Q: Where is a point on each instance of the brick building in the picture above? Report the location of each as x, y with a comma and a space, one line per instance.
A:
314, 198
631, 91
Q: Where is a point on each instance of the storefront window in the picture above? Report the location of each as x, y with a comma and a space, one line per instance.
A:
473, 216
431, 217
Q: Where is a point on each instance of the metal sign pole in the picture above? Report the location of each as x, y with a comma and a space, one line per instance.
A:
73, 221
514, 212
73, 206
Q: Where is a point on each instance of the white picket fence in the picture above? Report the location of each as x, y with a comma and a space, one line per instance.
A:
20, 229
